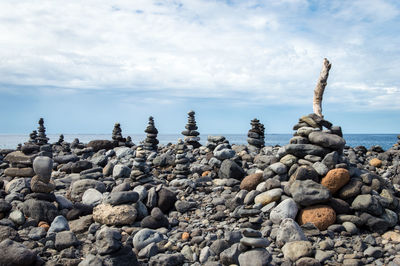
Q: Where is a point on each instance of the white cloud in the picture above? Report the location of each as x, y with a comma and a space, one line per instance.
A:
271, 52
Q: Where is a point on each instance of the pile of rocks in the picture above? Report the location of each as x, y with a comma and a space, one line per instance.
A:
139, 167
182, 163
191, 134
117, 135
256, 134
41, 139
151, 140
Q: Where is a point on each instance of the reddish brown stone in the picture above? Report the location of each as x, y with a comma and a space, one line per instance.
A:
375, 162
321, 216
335, 179
250, 182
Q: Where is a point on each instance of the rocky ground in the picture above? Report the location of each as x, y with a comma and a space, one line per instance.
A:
314, 201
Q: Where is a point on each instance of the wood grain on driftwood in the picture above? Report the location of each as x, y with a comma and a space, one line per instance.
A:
320, 88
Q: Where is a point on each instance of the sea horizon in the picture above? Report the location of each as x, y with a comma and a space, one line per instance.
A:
385, 140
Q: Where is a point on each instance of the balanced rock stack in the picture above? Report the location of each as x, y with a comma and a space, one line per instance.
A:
41, 138
41, 183
214, 141
182, 163
256, 134
151, 140
117, 135
139, 168
33, 137
191, 134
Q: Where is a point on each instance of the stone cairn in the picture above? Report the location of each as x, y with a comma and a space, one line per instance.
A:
191, 134
129, 143
117, 135
256, 134
41, 138
182, 163
33, 137
60, 140
327, 188
151, 140
139, 167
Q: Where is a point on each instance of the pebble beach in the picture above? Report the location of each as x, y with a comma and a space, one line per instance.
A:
312, 201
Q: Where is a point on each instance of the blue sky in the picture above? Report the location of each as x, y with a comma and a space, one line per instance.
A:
83, 66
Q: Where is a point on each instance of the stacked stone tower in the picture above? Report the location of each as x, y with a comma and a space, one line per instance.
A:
151, 140
117, 135
256, 134
182, 163
191, 134
41, 138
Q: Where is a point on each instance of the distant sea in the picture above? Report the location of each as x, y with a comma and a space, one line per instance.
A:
367, 140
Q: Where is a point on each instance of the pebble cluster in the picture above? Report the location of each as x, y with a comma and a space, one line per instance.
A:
314, 201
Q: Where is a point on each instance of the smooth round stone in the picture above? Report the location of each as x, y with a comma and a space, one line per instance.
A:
92, 197
117, 198
43, 165
254, 242
145, 237
59, 224
141, 190
249, 232
286, 209
268, 196
17, 217
279, 168
350, 227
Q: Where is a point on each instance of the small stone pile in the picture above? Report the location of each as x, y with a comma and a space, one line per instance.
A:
117, 135
41, 138
33, 137
139, 167
60, 140
191, 134
182, 163
151, 140
256, 134
214, 141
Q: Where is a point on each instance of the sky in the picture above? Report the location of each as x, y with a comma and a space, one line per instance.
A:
84, 65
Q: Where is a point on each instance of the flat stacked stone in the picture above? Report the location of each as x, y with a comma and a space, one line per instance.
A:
33, 137
41, 138
117, 135
182, 163
214, 141
256, 134
191, 134
151, 141
139, 167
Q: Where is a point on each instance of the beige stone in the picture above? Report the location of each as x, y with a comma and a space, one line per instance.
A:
114, 215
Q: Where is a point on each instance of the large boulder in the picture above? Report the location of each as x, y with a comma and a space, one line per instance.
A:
327, 140
16, 254
114, 215
335, 179
321, 216
367, 203
100, 144
230, 169
308, 192
40, 210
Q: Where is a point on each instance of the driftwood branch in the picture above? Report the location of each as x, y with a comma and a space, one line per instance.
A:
320, 88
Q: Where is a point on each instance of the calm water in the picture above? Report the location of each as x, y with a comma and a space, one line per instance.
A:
367, 140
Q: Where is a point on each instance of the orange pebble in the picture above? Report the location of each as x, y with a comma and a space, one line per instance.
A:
185, 236
205, 173
44, 225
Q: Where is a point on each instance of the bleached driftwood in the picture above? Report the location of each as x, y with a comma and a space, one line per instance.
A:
320, 88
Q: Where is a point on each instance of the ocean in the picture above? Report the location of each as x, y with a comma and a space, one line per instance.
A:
367, 140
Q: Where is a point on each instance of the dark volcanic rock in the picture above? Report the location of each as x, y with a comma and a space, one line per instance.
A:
301, 150
100, 145
230, 169
15, 254
40, 210
166, 200
308, 192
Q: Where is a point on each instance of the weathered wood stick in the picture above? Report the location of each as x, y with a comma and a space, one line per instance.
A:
320, 88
